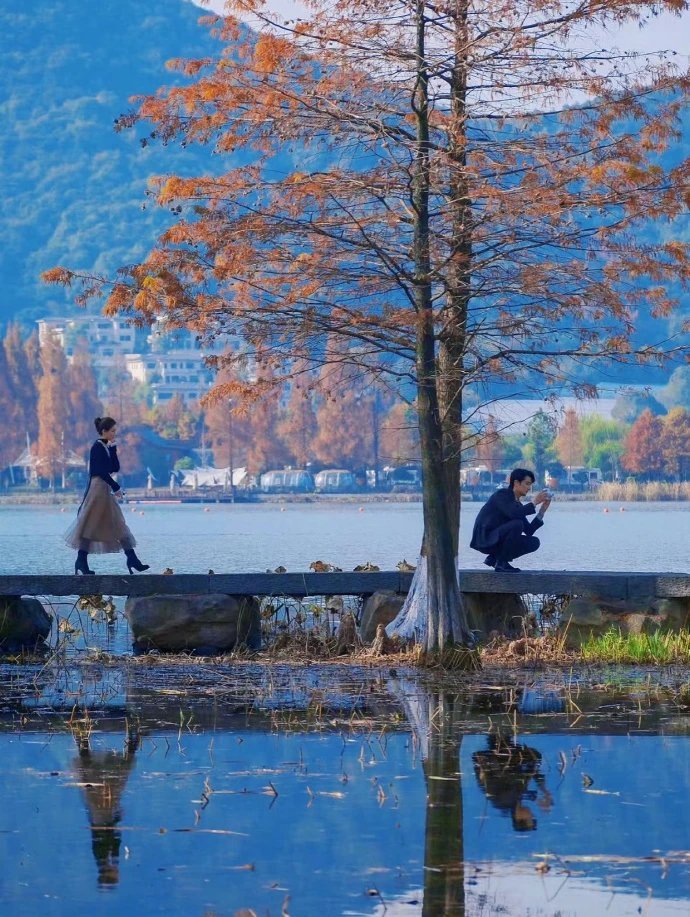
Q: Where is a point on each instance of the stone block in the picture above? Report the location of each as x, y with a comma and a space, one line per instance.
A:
203, 624
24, 624
675, 613
488, 612
587, 617
380, 608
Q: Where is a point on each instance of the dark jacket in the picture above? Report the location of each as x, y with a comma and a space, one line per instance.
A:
103, 462
501, 507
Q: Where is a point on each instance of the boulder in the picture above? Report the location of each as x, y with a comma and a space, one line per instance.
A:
24, 624
675, 613
586, 617
380, 608
488, 612
203, 624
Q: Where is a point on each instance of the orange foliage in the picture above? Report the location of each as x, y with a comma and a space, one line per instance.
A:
644, 451
297, 427
400, 435
489, 447
285, 254
675, 444
53, 409
568, 442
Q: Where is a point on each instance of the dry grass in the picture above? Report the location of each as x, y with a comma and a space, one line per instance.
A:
634, 491
547, 649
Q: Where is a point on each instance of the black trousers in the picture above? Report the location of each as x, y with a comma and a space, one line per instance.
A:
513, 541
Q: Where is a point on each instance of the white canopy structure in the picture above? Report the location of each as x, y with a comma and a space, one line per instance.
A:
30, 463
213, 477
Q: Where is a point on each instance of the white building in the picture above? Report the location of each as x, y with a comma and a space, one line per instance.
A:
171, 361
513, 415
107, 339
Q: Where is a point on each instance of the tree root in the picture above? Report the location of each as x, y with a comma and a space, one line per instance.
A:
452, 658
348, 639
383, 644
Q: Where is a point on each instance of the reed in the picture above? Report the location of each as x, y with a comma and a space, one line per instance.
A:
635, 491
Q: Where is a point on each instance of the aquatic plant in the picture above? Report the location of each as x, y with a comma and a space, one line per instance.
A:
657, 648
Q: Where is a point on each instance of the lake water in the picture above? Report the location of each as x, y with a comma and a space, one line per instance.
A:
236, 538
331, 793
145, 787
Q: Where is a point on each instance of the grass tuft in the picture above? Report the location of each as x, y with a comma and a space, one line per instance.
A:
657, 648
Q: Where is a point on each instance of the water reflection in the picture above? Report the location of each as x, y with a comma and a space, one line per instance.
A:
103, 777
444, 860
343, 804
510, 775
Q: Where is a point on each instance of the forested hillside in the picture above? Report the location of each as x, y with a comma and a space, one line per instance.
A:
73, 188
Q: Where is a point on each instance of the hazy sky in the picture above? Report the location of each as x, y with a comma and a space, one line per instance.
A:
666, 32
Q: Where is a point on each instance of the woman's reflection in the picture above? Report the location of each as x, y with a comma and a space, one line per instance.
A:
510, 774
103, 776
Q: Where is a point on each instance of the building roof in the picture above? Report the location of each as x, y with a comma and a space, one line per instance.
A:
513, 415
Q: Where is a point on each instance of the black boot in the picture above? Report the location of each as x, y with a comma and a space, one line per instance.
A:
81, 564
133, 562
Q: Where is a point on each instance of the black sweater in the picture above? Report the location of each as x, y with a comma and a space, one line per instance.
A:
103, 462
501, 507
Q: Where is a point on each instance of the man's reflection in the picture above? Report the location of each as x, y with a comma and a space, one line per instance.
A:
104, 775
510, 774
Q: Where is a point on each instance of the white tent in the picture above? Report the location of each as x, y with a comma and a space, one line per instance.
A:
30, 463
213, 477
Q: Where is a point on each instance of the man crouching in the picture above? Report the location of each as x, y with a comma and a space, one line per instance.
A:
502, 529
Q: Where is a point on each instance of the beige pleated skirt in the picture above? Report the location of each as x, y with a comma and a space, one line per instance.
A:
100, 527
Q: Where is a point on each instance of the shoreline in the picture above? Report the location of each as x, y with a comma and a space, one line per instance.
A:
161, 496
71, 498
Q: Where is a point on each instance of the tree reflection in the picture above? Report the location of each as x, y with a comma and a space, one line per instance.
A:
510, 775
103, 776
444, 858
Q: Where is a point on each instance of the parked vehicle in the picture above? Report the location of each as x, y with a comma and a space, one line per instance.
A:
480, 477
287, 481
405, 479
575, 479
335, 481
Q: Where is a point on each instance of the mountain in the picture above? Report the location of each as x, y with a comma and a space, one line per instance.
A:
72, 188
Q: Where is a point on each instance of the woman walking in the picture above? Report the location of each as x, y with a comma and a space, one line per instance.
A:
100, 527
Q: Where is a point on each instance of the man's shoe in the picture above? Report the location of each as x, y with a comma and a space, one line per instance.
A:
502, 566
490, 561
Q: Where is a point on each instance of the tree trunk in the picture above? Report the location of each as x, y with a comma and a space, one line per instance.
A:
433, 613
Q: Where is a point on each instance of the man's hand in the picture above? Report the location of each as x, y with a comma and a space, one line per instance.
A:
545, 504
541, 497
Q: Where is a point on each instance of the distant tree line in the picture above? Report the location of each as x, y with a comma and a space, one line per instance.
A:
51, 403
338, 419
649, 447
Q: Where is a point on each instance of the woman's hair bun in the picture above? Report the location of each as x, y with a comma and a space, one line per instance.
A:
103, 424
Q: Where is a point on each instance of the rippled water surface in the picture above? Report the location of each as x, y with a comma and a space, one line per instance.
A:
226, 538
324, 794
144, 787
